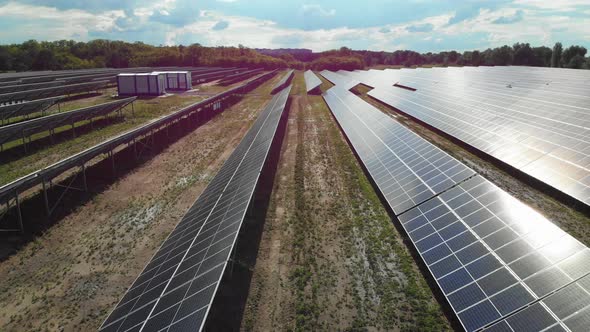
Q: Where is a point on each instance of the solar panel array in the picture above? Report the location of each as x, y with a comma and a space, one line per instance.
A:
25, 87
204, 107
26, 128
312, 82
26, 108
536, 120
199, 77
566, 310
231, 79
492, 257
19, 96
490, 254
408, 169
177, 287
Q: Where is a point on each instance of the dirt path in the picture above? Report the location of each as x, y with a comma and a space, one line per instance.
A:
72, 276
330, 258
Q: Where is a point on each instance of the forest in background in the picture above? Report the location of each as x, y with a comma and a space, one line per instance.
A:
69, 54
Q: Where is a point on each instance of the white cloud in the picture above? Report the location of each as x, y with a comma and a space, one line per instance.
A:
536, 28
258, 33
526, 21
162, 7
49, 23
555, 5
315, 9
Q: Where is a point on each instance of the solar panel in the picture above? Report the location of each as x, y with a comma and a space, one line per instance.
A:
10, 83
50, 92
239, 76
26, 128
25, 87
490, 255
568, 309
177, 287
28, 107
339, 80
407, 168
283, 82
199, 77
539, 128
312, 82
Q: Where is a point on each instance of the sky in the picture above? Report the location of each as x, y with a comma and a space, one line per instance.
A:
380, 25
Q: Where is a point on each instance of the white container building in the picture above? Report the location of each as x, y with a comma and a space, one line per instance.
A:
144, 84
177, 80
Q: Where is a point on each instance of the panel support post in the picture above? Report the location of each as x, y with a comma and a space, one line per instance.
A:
84, 178
113, 163
45, 198
19, 215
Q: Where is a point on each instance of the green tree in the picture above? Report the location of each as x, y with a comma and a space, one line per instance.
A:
573, 56
556, 55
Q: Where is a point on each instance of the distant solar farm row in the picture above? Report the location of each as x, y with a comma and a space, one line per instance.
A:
500, 265
21, 87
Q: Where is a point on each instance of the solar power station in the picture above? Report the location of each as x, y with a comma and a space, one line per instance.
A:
312, 83
500, 265
177, 287
533, 119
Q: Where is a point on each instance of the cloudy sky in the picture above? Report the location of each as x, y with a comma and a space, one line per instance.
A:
319, 25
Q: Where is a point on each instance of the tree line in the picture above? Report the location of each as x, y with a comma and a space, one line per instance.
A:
69, 54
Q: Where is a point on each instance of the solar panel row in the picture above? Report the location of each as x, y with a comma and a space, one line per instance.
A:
199, 77
535, 122
490, 255
312, 82
26, 108
50, 92
25, 87
26, 128
177, 287
283, 82
231, 79
408, 169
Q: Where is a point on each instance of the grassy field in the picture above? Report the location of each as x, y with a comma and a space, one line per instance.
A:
71, 276
330, 257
